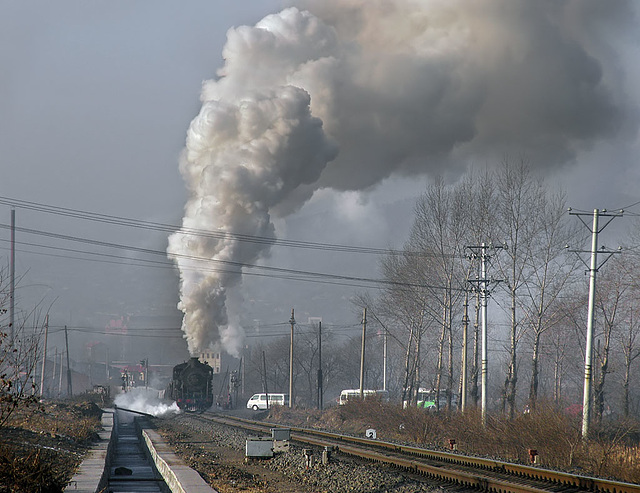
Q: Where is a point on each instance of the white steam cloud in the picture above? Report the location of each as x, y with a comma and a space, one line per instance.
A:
344, 93
146, 401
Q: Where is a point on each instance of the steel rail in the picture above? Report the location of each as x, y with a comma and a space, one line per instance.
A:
505, 476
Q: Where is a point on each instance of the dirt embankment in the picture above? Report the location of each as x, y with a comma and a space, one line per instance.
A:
41, 447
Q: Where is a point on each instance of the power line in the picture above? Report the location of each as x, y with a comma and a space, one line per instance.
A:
629, 206
291, 274
168, 228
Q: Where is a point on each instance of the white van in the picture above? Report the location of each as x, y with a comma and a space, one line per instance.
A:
259, 401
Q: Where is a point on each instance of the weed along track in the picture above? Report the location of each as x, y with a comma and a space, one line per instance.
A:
442, 467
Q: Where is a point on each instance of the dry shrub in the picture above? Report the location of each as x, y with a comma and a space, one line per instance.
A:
624, 462
77, 421
612, 450
31, 472
44, 444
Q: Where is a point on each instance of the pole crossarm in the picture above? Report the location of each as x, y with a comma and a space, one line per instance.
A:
601, 213
486, 290
602, 251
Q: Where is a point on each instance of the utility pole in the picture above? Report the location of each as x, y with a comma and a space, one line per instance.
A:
244, 365
12, 280
482, 285
53, 372
265, 388
593, 269
465, 329
319, 365
293, 323
384, 359
44, 354
60, 378
69, 386
364, 333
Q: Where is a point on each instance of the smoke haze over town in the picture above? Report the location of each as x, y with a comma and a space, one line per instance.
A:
312, 121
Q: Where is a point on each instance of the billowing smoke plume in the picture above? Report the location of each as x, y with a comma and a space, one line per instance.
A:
344, 93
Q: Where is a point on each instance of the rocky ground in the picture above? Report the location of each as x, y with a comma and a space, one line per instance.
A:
218, 453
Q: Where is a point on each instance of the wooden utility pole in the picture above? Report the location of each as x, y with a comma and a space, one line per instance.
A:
364, 334
69, 386
53, 372
44, 355
293, 323
12, 280
265, 387
60, 377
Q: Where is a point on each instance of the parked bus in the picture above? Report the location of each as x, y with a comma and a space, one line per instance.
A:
259, 401
354, 394
426, 398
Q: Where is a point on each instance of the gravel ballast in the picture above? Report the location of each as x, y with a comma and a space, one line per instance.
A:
217, 452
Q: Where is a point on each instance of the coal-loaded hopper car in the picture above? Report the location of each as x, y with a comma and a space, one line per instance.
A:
192, 385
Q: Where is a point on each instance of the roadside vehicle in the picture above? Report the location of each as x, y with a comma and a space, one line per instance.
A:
348, 395
426, 398
258, 402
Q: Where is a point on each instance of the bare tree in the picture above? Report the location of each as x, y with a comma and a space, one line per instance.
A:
405, 305
629, 343
19, 357
520, 216
439, 231
550, 271
614, 288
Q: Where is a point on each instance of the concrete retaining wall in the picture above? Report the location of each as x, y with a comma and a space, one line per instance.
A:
179, 477
93, 473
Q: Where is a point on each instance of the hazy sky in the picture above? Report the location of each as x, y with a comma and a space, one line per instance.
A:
338, 114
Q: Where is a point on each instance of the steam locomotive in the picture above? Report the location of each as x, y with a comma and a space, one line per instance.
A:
191, 385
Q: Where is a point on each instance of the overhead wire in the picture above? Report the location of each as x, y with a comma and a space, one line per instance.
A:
168, 228
285, 273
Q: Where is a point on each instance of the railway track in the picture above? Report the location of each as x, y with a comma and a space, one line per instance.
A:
470, 472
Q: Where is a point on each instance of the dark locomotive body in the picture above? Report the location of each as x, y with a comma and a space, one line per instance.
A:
192, 385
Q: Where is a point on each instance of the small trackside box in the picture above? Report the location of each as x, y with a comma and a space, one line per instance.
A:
259, 447
281, 433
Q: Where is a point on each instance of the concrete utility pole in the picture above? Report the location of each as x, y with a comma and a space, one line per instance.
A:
264, 386
364, 333
465, 329
319, 365
384, 359
593, 269
293, 323
482, 285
